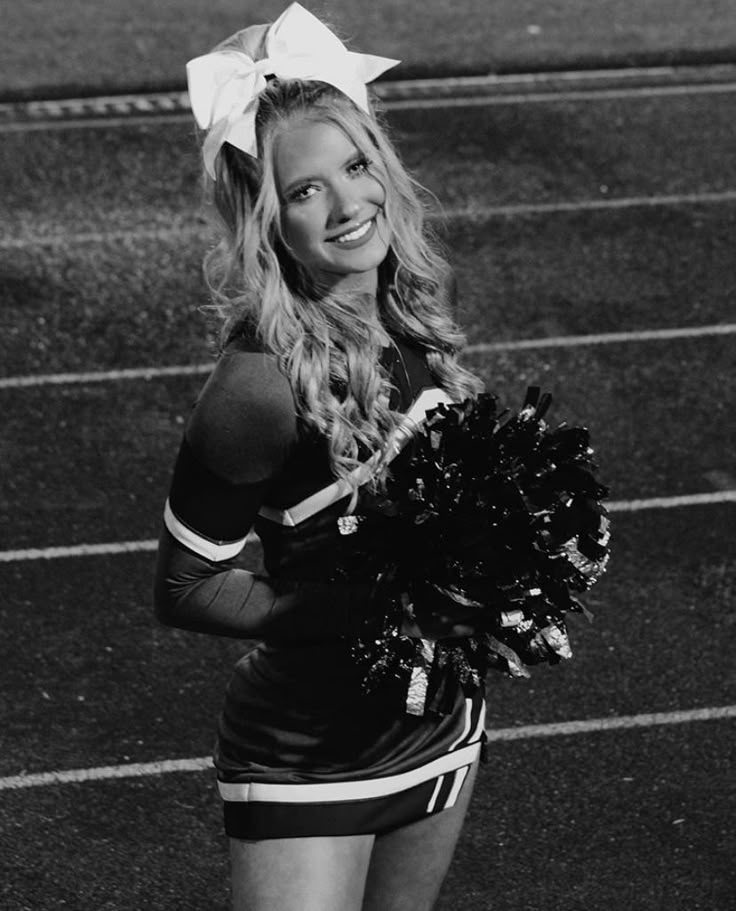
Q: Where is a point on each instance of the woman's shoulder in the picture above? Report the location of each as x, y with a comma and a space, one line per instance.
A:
244, 421
244, 370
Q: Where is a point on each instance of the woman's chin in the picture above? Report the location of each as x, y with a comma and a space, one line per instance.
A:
364, 281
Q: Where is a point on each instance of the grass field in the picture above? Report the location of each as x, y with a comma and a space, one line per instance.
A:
87, 46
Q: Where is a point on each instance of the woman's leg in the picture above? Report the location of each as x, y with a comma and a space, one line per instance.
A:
300, 874
408, 865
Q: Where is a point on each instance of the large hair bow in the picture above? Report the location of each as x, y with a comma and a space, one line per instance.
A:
224, 85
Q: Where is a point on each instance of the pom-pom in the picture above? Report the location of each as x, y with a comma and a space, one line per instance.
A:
492, 516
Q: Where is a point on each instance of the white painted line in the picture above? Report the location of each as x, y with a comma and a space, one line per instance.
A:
602, 204
77, 550
156, 108
409, 104
715, 74
116, 548
624, 722
395, 89
560, 341
603, 338
167, 235
93, 123
524, 732
567, 95
103, 773
112, 549
718, 72
476, 213
693, 499
103, 376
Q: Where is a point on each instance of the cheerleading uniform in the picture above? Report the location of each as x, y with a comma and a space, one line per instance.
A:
303, 748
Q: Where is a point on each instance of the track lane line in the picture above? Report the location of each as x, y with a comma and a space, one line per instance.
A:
112, 548
475, 100
166, 235
602, 338
566, 95
622, 722
476, 213
651, 76
560, 341
115, 548
523, 732
694, 499
602, 204
463, 91
103, 376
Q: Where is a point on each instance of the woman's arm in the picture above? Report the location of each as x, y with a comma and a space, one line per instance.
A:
196, 594
237, 439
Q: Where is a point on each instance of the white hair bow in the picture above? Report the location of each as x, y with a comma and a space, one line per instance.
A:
224, 85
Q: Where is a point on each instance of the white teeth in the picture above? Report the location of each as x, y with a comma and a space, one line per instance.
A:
354, 235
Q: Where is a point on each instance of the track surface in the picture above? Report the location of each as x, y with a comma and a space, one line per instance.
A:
99, 265
93, 47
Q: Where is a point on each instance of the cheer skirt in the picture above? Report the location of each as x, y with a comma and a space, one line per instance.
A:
369, 806
351, 764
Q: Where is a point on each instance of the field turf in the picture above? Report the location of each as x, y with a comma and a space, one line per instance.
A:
99, 264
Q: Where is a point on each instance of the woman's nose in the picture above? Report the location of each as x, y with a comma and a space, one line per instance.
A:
345, 205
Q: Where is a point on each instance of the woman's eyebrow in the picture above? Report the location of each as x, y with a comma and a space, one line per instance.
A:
300, 179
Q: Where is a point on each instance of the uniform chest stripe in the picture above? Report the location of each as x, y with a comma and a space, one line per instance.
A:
322, 499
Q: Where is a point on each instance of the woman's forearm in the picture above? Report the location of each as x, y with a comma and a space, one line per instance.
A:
222, 599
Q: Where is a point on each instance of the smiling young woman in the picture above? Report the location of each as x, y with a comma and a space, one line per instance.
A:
335, 328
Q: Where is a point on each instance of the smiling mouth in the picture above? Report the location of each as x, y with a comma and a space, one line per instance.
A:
355, 234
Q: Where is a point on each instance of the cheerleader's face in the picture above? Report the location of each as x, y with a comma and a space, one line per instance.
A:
332, 212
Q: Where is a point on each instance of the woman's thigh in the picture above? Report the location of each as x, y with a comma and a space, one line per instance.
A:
300, 874
409, 865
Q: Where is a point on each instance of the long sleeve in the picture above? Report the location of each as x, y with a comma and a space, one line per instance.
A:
239, 436
195, 594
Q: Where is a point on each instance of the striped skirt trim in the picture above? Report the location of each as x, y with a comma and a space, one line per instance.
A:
260, 819
336, 792
258, 809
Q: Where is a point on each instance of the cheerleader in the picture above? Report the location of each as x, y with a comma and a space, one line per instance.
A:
336, 340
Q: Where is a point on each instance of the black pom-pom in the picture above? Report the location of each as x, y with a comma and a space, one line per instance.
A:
501, 513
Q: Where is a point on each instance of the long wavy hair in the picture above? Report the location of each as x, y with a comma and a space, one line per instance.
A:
328, 344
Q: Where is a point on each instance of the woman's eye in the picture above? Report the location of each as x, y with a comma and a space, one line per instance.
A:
359, 166
302, 193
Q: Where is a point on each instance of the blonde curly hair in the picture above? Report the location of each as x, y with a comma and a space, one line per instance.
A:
328, 344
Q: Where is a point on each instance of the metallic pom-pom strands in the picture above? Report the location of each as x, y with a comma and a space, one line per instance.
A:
487, 511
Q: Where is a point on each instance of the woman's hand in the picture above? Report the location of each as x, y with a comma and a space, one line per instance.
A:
432, 612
